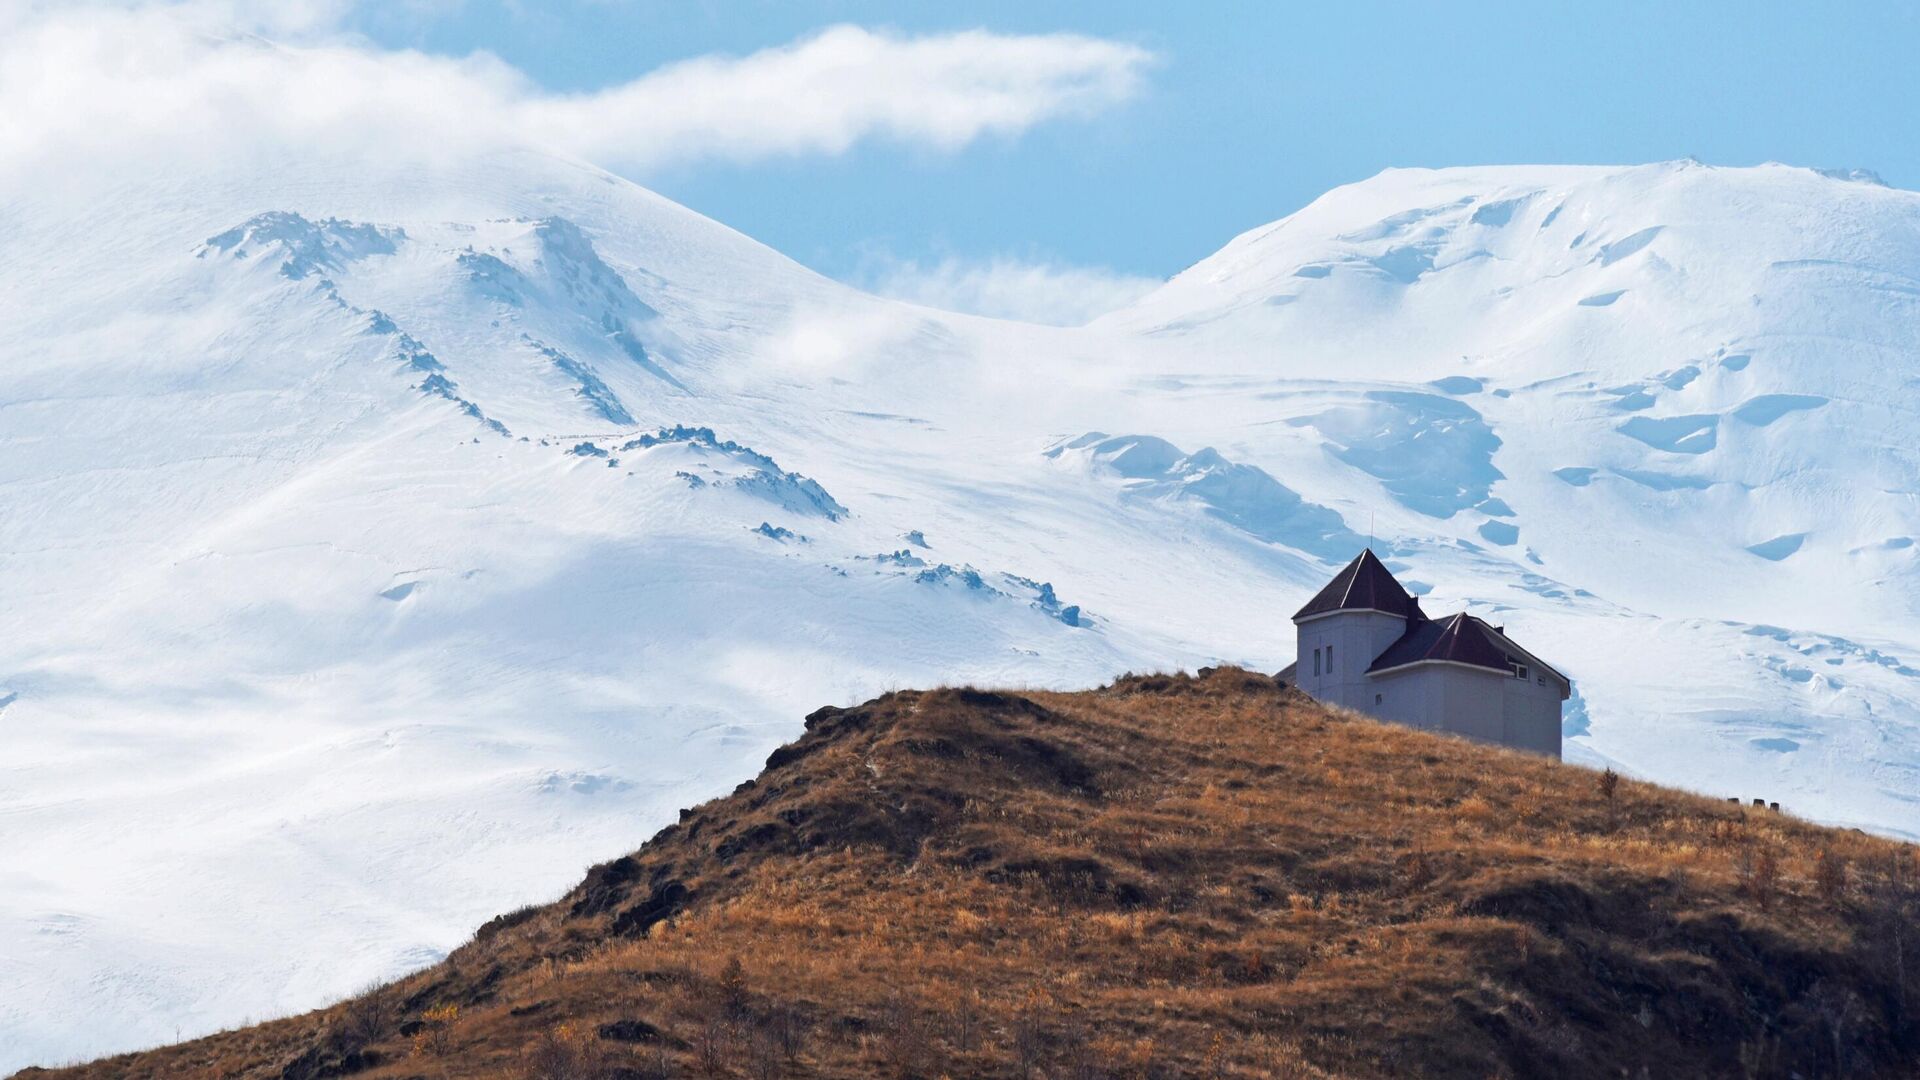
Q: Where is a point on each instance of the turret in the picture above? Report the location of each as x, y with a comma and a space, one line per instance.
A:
1361, 612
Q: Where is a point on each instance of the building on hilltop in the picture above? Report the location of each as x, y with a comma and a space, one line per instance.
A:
1364, 643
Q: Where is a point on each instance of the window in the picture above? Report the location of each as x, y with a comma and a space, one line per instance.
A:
1316, 661
1540, 679
1378, 698
1329, 659
1520, 672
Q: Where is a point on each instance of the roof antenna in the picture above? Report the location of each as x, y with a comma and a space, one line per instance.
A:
1369, 530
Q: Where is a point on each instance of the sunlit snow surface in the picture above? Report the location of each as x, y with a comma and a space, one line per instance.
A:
376, 553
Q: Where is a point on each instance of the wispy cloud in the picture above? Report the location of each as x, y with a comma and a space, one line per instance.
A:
1007, 288
826, 92
211, 77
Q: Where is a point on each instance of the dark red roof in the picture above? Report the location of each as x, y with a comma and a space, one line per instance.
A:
1364, 585
1461, 639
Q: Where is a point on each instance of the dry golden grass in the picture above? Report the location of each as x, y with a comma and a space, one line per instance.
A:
1170, 876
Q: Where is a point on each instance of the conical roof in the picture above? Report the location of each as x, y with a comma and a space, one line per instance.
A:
1365, 585
1458, 639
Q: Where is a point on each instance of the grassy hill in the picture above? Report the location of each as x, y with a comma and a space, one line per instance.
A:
1168, 876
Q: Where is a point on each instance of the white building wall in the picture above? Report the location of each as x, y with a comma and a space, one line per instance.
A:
1531, 713
1470, 702
1404, 697
1475, 701
1355, 638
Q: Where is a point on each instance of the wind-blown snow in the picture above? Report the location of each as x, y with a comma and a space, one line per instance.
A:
379, 551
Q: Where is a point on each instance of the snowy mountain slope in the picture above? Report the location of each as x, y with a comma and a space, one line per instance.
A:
1675, 344
382, 548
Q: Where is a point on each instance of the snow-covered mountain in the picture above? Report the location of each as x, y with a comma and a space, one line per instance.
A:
379, 549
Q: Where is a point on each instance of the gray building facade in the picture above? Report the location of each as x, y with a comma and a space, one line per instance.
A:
1365, 644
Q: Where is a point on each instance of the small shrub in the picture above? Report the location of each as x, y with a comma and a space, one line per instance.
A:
1255, 968
966, 1020
1840, 1012
1286, 1061
1142, 1059
1609, 784
435, 1036
1028, 1032
1076, 1052
365, 1018
1214, 1063
1888, 928
765, 1061
1419, 870
789, 1030
566, 1053
733, 987
903, 1036
713, 1044
1830, 875
1758, 870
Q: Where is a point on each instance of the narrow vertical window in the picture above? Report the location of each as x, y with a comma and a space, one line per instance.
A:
1329, 659
1316, 661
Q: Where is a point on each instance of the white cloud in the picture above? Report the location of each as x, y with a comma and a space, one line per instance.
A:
1041, 292
90, 84
277, 18
826, 92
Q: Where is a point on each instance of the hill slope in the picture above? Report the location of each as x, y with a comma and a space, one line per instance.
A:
1165, 876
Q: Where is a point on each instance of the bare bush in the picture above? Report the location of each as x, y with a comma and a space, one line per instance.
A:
1215, 1061
764, 1058
1830, 875
365, 1019
733, 987
1891, 910
965, 1021
1286, 1061
1076, 1056
714, 1044
1758, 870
1418, 868
904, 1039
565, 1053
1028, 1033
1839, 1009
788, 1028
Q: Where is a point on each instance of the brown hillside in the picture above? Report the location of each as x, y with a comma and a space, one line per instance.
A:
1169, 876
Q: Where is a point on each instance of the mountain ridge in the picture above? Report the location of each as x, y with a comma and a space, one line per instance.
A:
269, 561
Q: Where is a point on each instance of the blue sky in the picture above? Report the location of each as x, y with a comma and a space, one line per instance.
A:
1250, 110
1042, 160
